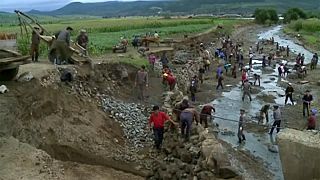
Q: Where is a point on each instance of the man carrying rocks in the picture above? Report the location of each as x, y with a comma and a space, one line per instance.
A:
307, 99
62, 44
289, 92
206, 114
277, 119
246, 90
142, 82
180, 107
241, 136
171, 81
156, 121
186, 117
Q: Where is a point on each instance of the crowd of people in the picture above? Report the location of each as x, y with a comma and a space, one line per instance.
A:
231, 56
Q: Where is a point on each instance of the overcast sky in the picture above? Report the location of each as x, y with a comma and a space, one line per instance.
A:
43, 5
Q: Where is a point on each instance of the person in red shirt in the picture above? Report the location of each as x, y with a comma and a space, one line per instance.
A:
206, 114
312, 120
243, 76
171, 81
157, 120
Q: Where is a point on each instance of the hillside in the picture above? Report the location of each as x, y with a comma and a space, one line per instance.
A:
116, 8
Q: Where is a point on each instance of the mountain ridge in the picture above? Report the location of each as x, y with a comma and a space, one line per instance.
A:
176, 7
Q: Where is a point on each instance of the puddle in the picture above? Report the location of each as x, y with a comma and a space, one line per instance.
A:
230, 103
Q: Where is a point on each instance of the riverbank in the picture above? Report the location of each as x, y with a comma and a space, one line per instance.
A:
305, 31
244, 162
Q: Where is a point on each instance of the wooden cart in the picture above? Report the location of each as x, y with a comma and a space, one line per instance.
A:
9, 64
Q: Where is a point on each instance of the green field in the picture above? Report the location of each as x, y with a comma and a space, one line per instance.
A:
104, 33
309, 31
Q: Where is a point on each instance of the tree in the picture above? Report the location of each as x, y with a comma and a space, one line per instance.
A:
294, 14
266, 15
273, 16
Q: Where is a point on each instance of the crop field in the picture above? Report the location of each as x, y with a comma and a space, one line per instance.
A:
309, 31
104, 33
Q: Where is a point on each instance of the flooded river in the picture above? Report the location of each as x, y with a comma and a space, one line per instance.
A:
230, 103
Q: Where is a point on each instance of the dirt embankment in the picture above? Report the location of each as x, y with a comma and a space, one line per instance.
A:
66, 121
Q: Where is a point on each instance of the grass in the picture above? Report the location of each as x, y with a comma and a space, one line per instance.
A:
102, 42
104, 33
309, 31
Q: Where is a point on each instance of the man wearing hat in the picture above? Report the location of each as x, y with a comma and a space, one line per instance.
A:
83, 40
277, 119
307, 99
241, 124
61, 45
35, 43
289, 91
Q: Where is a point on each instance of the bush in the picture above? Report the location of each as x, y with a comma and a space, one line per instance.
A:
310, 25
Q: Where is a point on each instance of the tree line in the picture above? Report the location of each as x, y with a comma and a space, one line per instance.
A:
270, 16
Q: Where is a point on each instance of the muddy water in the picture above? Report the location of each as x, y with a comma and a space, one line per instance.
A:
230, 103
284, 40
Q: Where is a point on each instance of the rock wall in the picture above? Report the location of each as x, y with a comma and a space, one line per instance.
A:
299, 154
203, 157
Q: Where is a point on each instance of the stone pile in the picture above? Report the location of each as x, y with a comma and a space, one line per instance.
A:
49, 79
132, 117
185, 73
171, 98
201, 158
181, 57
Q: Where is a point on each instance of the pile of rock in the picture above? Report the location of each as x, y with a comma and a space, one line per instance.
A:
132, 117
49, 79
201, 158
181, 57
185, 73
170, 98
